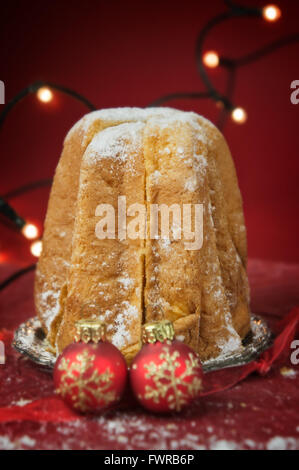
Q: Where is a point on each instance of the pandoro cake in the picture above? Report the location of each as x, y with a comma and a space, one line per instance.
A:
147, 157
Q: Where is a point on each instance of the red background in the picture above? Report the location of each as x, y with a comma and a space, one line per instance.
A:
128, 54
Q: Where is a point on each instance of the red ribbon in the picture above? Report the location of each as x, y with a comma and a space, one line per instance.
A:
49, 410
53, 409
6, 336
287, 329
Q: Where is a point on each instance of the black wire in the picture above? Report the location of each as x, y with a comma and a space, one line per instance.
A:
199, 54
33, 89
179, 95
16, 276
231, 82
265, 50
244, 9
235, 10
10, 214
27, 187
233, 64
5, 208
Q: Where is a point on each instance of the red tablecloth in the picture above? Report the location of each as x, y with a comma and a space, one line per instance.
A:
259, 413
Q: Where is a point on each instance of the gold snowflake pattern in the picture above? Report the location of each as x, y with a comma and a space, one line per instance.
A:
175, 388
84, 383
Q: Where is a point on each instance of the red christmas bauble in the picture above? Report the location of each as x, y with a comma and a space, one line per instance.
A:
166, 376
90, 377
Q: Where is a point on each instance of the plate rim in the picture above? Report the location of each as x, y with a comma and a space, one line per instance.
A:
249, 352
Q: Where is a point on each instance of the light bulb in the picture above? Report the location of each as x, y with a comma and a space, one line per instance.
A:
239, 115
211, 59
271, 13
44, 94
30, 231
36, 248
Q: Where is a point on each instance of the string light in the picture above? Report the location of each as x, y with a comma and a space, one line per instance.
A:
239, 115
36, 248
271, 13
211, 59
44, 94
30, 231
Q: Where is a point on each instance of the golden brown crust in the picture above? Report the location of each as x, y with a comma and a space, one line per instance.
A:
187, 330
170, 157
220, 153
228, 220
57, 248
173, 281
107, 273
55, 259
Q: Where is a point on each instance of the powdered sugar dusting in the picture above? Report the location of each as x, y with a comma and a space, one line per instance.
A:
125, 281
122, 322
191, 184
216, 292
282, 443
165, 243
121, 115
155, 176
49, 302
131, 430
116, 142
20, 443
21, 402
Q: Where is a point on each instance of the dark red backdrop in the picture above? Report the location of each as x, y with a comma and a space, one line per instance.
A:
128, 54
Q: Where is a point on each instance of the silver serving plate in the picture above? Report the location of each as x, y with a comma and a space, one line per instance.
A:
30, 340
